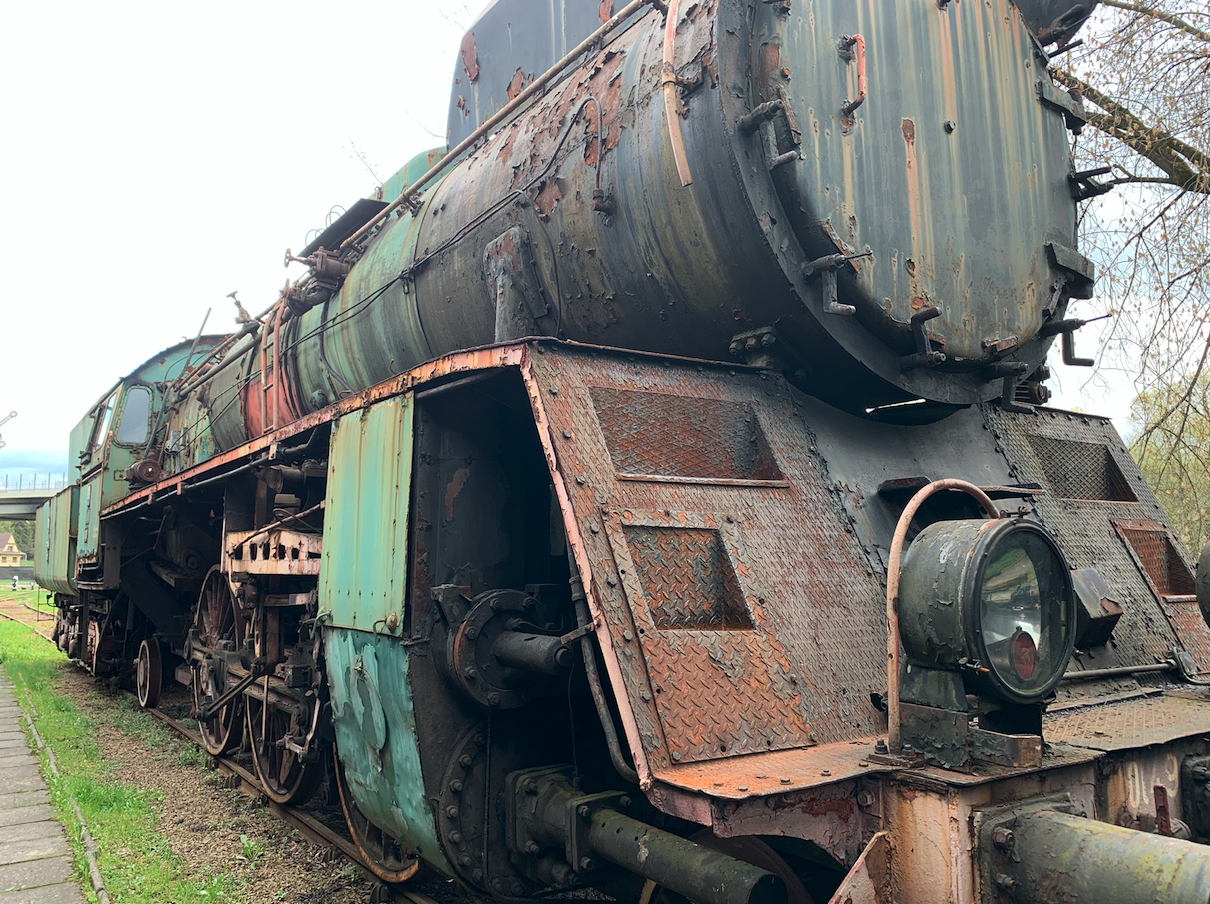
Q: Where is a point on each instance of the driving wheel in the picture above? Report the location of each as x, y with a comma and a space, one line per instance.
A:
148, 673
386, 857
283, 776
218, 621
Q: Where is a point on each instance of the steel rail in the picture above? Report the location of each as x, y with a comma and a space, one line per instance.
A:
308, 825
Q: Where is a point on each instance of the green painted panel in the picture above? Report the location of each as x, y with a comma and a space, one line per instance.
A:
363, 577
88, 534
55, 543
376, 737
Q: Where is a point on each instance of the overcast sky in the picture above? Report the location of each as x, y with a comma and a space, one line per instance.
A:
160, 155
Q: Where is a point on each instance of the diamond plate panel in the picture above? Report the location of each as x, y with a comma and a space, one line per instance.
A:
1133, 723
717, 690
659, 434
804, 672
688, 579
1186, 618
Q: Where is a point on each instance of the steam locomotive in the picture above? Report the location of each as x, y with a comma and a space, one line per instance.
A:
654, 490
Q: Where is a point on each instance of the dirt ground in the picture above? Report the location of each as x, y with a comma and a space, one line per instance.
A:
204, 821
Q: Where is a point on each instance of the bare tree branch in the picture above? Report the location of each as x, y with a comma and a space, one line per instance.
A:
1186, 167
1154, 13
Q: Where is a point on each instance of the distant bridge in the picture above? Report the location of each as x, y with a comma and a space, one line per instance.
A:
21, 505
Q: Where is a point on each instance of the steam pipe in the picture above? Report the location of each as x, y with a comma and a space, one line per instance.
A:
1055, 856
701, 874
892, 590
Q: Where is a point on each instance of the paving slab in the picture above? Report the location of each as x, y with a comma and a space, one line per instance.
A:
35, 860
30, 831
33, 873
25, 799
29, 849
20, 778
60, 893
17, 815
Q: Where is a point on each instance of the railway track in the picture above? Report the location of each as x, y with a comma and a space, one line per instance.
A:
244, 780
319, 834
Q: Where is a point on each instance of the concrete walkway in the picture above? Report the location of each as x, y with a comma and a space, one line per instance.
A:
35, 862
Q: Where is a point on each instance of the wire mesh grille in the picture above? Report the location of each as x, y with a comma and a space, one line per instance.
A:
1078, 470
658, 434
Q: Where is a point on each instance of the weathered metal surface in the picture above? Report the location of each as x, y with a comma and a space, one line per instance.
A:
869, 881
372, 712
363, 581
743, 648
472, 360
277, 551
1131, 723
625, 254
1043, 854
55, 542
507, 39
972, 246
1093, 488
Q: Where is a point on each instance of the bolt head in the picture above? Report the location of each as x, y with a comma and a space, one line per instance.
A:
531, 847
493, 699
880, 746
456, 786
583, 812
472, 632
531, 787
470, 672
587, 864
864, 798
1004, 839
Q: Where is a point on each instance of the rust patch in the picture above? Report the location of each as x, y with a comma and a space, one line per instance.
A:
909, 131
592, 145
842, 807
461, 476
470, 57
517, 85
548, 197
605, 10
768, 62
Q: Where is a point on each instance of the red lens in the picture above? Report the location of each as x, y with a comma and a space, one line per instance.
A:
1025, 655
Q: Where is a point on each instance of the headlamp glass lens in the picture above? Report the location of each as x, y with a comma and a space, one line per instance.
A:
1023, 609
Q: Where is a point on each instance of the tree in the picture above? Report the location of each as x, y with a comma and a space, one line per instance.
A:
1174, 454
1144, 75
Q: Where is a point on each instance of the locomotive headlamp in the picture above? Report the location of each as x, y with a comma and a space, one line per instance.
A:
992, 598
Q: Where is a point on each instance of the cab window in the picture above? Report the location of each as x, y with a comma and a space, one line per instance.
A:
101, 429
135, 412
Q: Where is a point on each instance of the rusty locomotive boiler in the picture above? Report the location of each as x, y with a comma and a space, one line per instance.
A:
654, 490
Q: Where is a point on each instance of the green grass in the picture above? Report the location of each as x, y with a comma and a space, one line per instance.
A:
135, 860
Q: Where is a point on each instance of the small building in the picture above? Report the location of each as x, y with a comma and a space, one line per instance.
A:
10, 555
